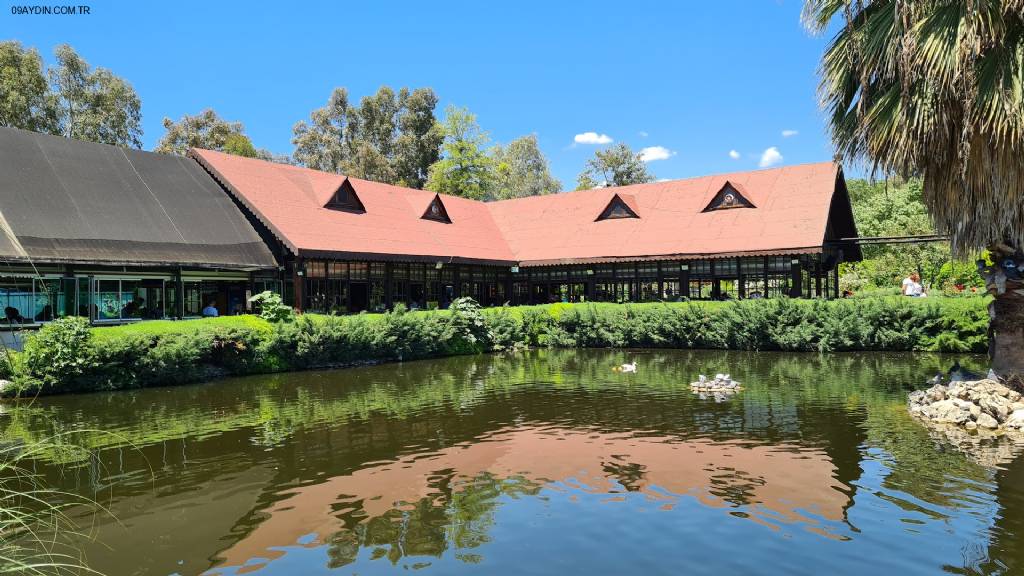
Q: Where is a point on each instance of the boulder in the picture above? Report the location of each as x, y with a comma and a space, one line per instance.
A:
987, 421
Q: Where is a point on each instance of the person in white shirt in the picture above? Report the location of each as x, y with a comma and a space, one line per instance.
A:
912, 286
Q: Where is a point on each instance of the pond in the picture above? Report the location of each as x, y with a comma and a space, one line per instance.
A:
545, 462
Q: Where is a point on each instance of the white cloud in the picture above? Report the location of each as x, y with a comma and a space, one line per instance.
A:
788, 133
734, 155
770, 157
592, 138
644, 134
652, 153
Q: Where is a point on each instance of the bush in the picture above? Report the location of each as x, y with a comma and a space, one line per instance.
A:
69, 356
59, 352
272, 307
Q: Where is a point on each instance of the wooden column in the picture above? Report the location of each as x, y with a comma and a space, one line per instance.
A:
180, 284
716, 287
684, 280
817, 279
796, 287
661, 282
388, 296
764, 273
298, 273
835, 287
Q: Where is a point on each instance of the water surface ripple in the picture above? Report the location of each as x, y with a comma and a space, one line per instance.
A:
544, 462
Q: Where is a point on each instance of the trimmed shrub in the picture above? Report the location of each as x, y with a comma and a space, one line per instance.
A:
69, 356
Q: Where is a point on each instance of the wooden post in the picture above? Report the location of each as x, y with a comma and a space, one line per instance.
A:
836, 282
388, 288
796, 289
716, 287
684, 280
180, 284
298, 273
764, 273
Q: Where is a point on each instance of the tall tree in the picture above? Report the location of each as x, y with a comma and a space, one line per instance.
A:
322, 143
614, 166
522, 170
25, 99
419, 137
935, 89
94, 104
70, 99
465, 169
205, 130
388, 138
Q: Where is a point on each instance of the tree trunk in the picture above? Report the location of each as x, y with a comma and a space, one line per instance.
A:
1006, 336
1005, 281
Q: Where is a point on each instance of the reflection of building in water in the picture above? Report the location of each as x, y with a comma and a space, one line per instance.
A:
372, 506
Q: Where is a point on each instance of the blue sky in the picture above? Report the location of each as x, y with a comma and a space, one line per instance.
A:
698, 79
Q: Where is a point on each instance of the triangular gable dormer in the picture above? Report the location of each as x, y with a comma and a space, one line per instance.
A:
345, 199
620, 206
436, 211
730, 196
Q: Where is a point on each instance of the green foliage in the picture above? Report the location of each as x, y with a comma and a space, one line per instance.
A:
614, 166
70, 99
58, 352
209, 131
465, 169
387, 138
522, 170
68, 356
894, 208
25, 99
272, 307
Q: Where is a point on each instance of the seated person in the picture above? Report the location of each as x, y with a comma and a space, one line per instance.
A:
211, 310
13, 316
45, 315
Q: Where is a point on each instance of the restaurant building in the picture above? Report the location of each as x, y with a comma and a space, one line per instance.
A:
115, 235
348, 244
118, 235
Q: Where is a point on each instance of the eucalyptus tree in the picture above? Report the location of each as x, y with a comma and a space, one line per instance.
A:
522, 170
70, 99
388, 137
25, 98
935, 89
465, 167
93, 104
614, 166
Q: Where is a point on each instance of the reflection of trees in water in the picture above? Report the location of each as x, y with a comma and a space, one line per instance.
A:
850, 406
455, 515
737, 487
630, 475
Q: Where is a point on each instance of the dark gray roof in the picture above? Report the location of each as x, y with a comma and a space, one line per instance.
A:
79, 202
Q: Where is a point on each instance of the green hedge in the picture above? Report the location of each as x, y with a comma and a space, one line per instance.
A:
67, 356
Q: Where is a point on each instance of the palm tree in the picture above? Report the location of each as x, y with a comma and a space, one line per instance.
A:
935, 89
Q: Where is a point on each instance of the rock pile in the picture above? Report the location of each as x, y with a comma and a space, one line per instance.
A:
721, 383
982, 405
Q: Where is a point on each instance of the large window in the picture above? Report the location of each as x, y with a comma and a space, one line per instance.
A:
138, 299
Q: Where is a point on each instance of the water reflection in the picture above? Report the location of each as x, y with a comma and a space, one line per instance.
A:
517, 463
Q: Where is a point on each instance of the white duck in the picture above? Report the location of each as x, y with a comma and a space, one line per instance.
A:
629, 367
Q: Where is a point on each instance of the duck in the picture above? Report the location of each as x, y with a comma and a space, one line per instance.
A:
628, 367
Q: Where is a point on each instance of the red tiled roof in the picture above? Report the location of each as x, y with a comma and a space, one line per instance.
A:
289, 200
791, 216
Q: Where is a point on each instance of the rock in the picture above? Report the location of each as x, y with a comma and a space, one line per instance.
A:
1016, 419
1016, 406
987, 421
971, 425
948, 411
936, 393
